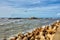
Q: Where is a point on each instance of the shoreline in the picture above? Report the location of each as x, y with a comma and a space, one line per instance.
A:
43, 27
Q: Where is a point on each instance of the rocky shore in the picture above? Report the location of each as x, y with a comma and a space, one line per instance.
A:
47, 32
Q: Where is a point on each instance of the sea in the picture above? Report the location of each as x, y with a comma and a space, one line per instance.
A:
11, 27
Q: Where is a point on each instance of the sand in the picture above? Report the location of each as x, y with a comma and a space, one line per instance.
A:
57, 35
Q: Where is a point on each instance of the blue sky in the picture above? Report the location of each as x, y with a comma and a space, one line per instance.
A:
29, 8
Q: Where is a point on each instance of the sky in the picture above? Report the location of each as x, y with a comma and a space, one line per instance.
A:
30, 8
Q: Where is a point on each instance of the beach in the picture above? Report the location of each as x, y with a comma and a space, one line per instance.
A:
57, 35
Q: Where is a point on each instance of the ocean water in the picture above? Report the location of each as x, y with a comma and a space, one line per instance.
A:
10, 27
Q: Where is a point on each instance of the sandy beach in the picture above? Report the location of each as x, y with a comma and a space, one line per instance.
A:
57, 35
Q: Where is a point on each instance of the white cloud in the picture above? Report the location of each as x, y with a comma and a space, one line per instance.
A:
28, 3
6, 10
58, 14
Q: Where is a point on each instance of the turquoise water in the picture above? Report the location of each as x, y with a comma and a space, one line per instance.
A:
9, 27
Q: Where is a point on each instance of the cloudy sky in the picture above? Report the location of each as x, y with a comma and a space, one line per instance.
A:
29, 8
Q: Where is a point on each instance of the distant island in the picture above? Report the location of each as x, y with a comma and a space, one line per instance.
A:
29, 18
